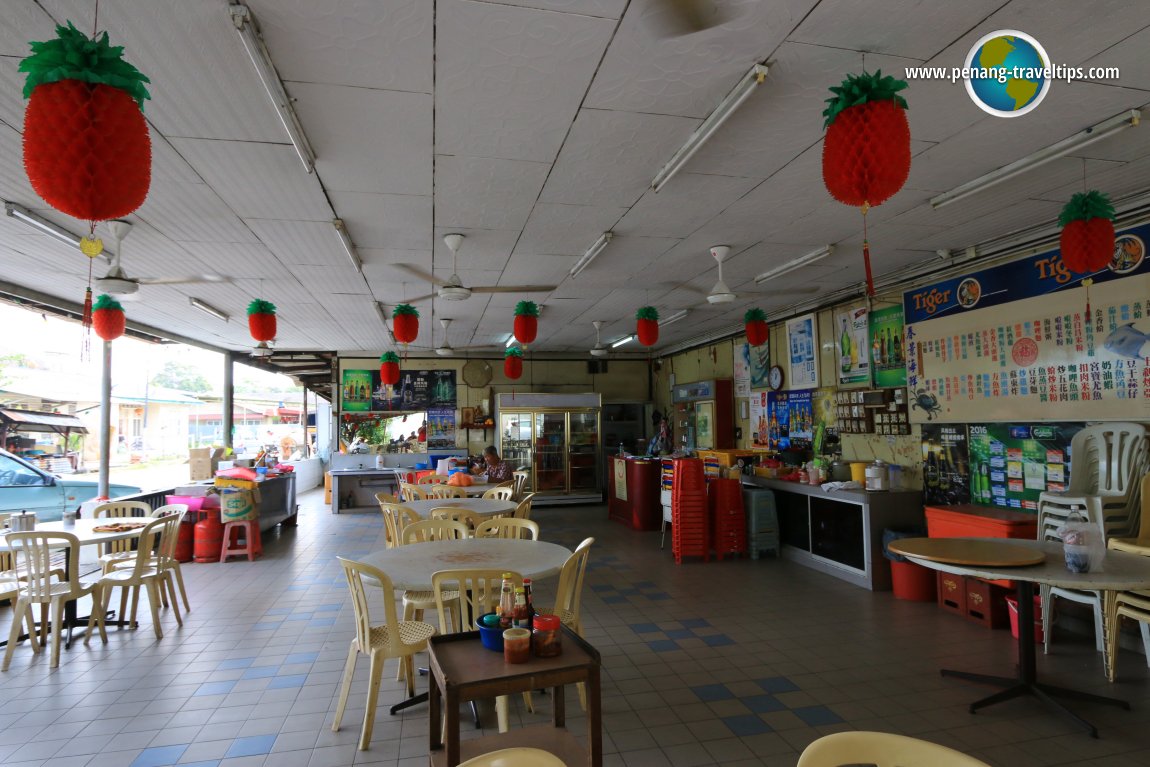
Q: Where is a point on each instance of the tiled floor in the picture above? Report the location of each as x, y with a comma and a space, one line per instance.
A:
733, 663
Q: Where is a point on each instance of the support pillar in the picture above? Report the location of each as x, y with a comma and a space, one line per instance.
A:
229, 400
104, 483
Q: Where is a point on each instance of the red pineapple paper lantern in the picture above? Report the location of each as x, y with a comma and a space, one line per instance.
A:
866, 153
108, 318
513, 363
756, 324
389, 369
647, 325
86, 145
526, 321
262, 320
405, 323
1087, 238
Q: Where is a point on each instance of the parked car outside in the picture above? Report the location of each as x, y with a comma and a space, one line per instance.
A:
23, 487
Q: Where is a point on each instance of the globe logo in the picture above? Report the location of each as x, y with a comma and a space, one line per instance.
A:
1007, 73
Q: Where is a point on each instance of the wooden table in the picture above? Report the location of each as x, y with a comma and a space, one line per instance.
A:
484, 507
463, 670
977, 557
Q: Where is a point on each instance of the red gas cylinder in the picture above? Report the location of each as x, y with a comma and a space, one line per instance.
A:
186, 541
209, 537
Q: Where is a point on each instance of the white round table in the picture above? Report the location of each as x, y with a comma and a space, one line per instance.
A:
478, 488
484, 507
411, 566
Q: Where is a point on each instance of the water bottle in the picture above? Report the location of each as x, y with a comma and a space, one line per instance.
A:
622, 452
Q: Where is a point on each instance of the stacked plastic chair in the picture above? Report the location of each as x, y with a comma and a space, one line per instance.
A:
730, 521
690, 523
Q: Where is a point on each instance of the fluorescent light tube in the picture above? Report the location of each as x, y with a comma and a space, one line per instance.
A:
796, 263
253, 40
43, 225
673, 318
510, 340
623, 340
591, 254
1083, 138
208, 309
348, 245
726, 107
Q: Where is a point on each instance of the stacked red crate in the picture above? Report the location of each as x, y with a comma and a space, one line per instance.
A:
690, 523
728, 516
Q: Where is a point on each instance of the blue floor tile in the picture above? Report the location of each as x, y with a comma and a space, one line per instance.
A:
300, 617
614, 600
712, 692
322, 622
209, 763
214, 688
746, 725
663, 645
260, 672
695, 623
762, 704
777, 684
235, 663
657, 596
644, 628
326, 608
817, 715
279, 611
251, 746
161, 755
718, 640
283, 682
302, 657
680, 634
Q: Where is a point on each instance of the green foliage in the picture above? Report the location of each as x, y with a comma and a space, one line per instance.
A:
182, 376
647, 313
72, 55
754, 315
104, 301
1085, 206
526, 308
389, 357
863, 89
260, 306
513, 351
404, 309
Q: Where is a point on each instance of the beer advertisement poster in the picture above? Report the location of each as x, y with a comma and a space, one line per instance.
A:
790, 420
760, 427
1012, 464
440, 428
887, 348
356, 392
852, 348
946, 478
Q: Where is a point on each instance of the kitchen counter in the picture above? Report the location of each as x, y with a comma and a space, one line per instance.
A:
361, 485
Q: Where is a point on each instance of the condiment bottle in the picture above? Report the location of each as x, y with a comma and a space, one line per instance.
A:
530, 606
506, 603
521, 619
547, 638
516, 645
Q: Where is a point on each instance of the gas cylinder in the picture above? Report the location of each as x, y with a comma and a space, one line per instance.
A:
209, 537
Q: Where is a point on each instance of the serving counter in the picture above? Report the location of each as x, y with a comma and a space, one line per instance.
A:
356, 488
840, 532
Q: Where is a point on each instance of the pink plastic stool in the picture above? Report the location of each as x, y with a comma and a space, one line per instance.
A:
249, 544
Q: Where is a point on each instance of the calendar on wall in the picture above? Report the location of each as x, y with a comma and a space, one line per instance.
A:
1027, 339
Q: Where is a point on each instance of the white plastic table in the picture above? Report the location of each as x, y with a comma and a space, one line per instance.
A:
479, 486
484, 507
1121, 571
411, 567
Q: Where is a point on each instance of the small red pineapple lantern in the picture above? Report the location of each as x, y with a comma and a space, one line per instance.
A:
86, 145
262, 320
108, 318
647, 325
405, 323
389, 369
866, 153
756, 324
1087, 238
513, 363
526, 321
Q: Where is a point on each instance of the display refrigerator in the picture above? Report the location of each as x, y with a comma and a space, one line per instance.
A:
556, 438
704, 415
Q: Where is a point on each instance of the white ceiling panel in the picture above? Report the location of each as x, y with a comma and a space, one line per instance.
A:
486, 193
338, 41
313, 243
186, 212
385, 220
684, 205
227, 258
24, 21
257, 180
611, 9
12, 83
509, 80
350, 157
1130, 57
566, 229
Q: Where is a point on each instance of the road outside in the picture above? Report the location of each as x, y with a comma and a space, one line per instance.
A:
159, 475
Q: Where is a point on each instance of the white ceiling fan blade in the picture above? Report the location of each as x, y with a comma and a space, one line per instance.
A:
802, 290
418, 299
190, 278
515, 289
416, 271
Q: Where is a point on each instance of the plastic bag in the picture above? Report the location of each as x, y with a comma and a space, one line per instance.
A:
1082, 544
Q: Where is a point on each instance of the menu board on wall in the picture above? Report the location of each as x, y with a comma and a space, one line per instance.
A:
945, 464
752, 364
760, 420
1011, 464
363, 391
887, 347
852, 348
790, 419
1017, 342
803, 352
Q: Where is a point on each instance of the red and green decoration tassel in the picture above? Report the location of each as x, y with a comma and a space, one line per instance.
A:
755, 321
389, 368
526, 321
647, 325
405, 323
866, 152
108, 318
262, 320
513, 363
86, 145
1087, 238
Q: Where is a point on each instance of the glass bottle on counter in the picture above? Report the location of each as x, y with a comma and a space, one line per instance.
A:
530, 604
521, 619
506, 603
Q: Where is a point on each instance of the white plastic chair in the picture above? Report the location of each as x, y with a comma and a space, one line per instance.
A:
515, 757
882, 749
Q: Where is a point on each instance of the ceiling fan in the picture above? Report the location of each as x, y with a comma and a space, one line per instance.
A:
721, 294
117, 282
445, 349
682, 17
453, 288
599, 350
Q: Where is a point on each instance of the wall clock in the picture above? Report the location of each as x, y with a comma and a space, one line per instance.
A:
775, 378
477, 373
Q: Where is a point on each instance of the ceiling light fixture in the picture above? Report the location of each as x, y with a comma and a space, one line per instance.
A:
253, 40
674, 318
591, 254
41, 224
208, 309
348, 245
742, 90
623, 340
796, 263
1082, 138
511, 340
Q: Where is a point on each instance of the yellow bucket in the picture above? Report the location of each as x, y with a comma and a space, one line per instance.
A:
858, 472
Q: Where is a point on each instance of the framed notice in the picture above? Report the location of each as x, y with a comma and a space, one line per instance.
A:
803, 352
760, 427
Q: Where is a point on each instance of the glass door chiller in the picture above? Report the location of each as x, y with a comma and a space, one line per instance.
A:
515, 439
583, 451
551, 452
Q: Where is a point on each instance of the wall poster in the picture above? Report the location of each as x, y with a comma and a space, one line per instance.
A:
851, 345
1011, 464
741, 370
1017, 342
760, 436
803, 352
946, 479
887, 347
355, 394
790, 420
440, 428
756, 360
363, 391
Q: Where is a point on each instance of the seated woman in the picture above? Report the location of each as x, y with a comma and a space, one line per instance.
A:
496, 469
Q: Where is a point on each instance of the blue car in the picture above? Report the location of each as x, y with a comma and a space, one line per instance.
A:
23, 487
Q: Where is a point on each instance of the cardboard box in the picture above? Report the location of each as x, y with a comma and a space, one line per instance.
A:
203, 462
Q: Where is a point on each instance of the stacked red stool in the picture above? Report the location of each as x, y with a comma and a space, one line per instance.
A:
690, 523
725, 497
242, 538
